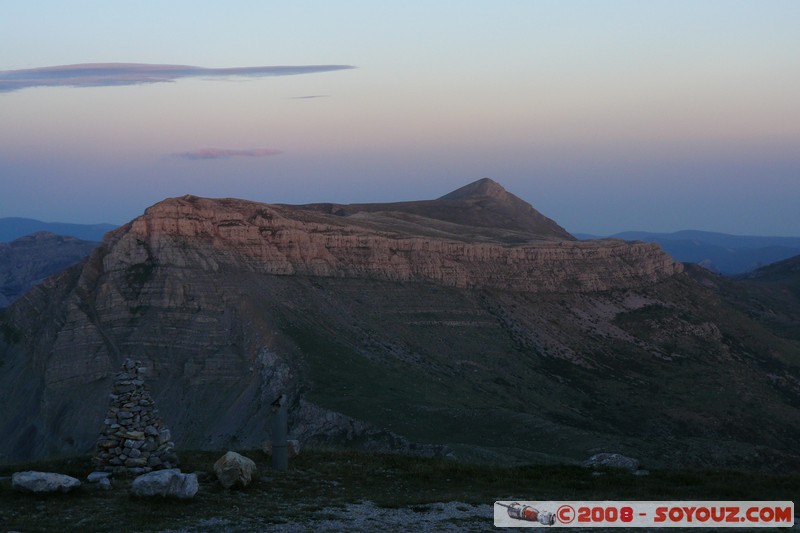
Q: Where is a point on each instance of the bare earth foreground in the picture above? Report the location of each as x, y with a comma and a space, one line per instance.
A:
356, 491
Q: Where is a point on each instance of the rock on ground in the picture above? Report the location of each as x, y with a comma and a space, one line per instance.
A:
165, 483
41, 482
96, 477
612, 460
234, 469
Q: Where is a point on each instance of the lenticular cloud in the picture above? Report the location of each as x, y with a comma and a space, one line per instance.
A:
112, 74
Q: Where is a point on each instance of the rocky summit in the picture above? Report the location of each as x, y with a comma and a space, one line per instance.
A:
470, 326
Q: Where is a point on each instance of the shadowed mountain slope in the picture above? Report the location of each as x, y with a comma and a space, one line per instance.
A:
787, 271
769, 295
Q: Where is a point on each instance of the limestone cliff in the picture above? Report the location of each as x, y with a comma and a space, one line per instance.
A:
271, 239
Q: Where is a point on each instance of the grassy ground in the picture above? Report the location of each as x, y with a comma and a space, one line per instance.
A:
330, 479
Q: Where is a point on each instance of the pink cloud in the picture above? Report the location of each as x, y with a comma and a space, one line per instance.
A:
226, 153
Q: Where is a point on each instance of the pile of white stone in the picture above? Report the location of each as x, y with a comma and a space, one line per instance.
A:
133, 438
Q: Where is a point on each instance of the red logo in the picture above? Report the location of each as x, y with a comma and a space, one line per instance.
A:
565, 514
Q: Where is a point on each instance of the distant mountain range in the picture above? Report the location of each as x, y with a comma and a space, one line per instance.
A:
28, 260
12, 228
720, 252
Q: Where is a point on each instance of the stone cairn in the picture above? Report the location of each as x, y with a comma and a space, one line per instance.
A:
133, 438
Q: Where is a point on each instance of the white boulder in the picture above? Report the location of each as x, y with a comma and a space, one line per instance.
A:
234, 470
41, 482
96, 477
165, 483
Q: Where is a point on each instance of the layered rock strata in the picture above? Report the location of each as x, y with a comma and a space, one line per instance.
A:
133, 438
280, 240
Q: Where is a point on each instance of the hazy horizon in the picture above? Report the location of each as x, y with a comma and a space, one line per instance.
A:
576, 233
606, 117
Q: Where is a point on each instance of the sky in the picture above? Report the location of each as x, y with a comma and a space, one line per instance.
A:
606, 116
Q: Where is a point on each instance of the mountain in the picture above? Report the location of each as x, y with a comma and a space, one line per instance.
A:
12, 228
720, 252
480, 211
770, 295
28, 260
416, 327
786, 271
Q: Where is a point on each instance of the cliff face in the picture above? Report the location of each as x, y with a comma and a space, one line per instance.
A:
280, 241
393, 327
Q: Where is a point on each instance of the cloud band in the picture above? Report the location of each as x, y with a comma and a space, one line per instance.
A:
113, 74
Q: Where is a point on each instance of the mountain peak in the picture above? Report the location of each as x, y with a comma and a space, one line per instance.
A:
486, 203
482, 187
